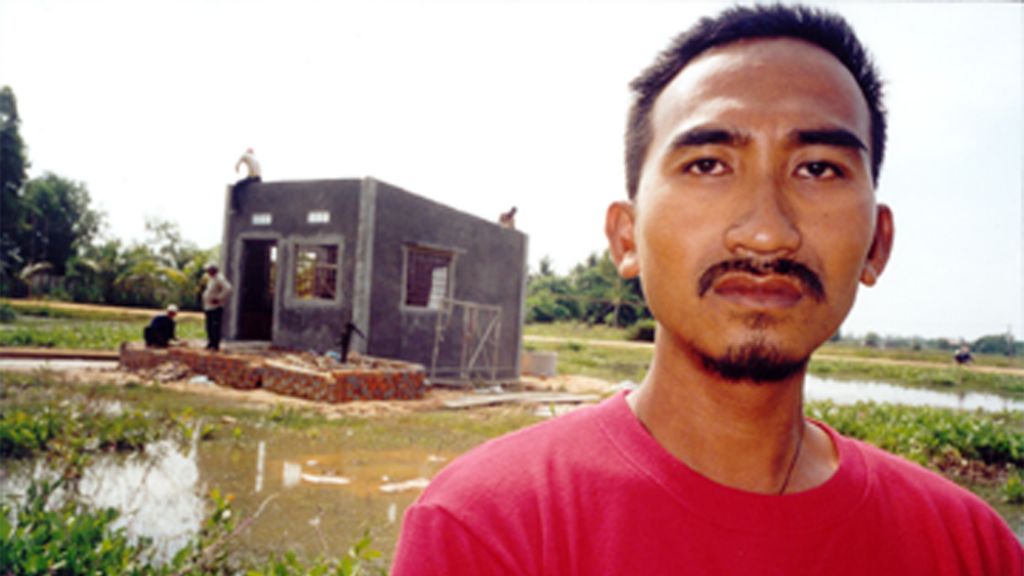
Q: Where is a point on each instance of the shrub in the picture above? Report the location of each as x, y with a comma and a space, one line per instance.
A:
1013, 491
643, 331
7, 314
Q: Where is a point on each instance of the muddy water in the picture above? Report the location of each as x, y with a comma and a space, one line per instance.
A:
311, 496
317, 492
317, 498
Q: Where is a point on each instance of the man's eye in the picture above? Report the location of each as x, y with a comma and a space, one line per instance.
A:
705, 167
819, 171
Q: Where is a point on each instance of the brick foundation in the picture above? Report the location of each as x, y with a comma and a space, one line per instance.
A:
371, 379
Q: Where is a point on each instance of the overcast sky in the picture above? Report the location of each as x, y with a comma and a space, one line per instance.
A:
484, 105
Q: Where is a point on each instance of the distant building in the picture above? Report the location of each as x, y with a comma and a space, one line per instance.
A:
423, 282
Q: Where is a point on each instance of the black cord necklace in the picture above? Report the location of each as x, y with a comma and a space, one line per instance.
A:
792, 464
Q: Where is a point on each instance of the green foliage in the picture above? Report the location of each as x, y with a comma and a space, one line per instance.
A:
52, 537
997, 344
593, 293
643, 331
47, 244
360, 559
27, 433
575, 331
84, 334
613, 364
7, 314
13, 172
59, 221
872, 340
49, 530
929, 435
1013, 490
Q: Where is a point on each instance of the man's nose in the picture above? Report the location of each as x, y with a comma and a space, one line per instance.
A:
765, 224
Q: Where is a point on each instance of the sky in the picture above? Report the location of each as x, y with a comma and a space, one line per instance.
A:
488, 104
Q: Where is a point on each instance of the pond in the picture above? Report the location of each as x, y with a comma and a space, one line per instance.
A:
312, 497
853, 391
315, 494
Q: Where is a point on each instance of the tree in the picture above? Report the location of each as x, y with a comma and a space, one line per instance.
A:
58, 221
609, 298
995, 344
13, 171
546, 267
165, 238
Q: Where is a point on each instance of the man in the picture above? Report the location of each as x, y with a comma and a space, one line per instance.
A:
753, 149
216, 294
160, 332
252, 174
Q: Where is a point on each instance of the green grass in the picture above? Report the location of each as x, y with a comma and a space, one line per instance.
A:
939, 378
577, 356
938, 356
83, 334
604, 362
575, 330
37, 392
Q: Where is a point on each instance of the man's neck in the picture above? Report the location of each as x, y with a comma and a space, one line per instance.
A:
749, 436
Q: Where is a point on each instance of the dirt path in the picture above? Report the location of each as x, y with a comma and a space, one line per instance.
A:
819, 356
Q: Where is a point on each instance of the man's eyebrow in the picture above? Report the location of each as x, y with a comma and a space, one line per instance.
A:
703, 136
830, 137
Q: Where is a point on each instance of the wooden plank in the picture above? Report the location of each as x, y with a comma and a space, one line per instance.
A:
477, 400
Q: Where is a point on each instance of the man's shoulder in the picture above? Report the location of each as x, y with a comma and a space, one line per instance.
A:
913, 489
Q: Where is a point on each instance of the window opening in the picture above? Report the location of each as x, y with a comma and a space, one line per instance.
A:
427, 277
316, 271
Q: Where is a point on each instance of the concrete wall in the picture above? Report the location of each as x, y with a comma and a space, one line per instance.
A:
489, 268
375, 223
298, 324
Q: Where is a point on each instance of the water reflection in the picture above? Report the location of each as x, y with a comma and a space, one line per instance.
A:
313, 497
852, 391
156, 492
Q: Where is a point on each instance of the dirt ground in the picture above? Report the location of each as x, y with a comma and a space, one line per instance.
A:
178, 378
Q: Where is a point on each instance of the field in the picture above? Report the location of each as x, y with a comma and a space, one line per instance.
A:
77, 425
604, 353
81, 327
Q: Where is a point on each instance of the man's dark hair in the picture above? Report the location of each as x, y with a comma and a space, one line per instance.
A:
827, 30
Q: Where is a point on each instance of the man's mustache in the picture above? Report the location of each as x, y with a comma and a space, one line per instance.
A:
780, 267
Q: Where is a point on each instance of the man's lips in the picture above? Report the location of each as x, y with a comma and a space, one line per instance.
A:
759, 291
759, 280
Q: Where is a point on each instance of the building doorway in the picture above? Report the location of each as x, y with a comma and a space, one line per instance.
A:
258, 282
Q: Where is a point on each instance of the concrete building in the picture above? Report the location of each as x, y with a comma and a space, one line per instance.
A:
421, 281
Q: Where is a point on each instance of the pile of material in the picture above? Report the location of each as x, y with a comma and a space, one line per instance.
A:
301, 374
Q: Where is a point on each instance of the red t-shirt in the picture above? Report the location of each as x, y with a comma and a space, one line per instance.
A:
593, 493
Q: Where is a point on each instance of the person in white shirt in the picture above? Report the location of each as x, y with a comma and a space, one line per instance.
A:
253, 174
216, 294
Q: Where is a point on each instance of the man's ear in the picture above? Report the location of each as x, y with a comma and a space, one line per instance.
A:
618, 227
881, 246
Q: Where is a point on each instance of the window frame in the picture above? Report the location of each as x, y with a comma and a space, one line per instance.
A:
407, 251
295, 245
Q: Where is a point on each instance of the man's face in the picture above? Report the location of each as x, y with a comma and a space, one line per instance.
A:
755, 214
